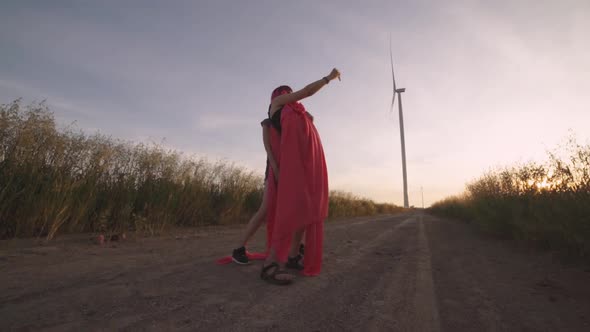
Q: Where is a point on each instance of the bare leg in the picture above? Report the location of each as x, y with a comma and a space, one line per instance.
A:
256, 220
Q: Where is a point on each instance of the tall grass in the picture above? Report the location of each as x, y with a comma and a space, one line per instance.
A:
343, 204
63, 181
548, 204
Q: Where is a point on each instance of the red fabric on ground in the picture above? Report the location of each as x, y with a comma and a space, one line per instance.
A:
253, 256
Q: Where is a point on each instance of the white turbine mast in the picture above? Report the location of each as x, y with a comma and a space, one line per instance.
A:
401, 125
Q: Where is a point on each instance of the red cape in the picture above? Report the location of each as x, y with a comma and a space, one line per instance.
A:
300, 199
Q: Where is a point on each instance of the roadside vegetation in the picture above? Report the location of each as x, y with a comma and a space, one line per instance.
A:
547, 204
56, 181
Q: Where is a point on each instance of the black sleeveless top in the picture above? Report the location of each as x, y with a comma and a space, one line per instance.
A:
275, 119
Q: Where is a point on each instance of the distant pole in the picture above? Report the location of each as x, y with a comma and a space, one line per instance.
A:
422, 192
401, 131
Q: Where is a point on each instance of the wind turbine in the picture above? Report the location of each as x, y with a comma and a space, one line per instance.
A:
401, 125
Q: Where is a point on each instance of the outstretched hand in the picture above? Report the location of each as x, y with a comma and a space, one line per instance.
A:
334, 74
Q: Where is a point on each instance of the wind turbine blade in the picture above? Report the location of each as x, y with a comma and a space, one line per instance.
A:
392, 103
391, 58
392, 72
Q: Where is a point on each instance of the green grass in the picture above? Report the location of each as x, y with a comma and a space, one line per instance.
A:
63, 181
545, 204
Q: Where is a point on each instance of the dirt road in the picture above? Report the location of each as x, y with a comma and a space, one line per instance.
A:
410, 272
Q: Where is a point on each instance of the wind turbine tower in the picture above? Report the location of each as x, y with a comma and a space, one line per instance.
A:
399, 92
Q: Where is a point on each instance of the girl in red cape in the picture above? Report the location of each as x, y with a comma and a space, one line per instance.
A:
298, 201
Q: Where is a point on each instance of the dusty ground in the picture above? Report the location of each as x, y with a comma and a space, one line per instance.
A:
410, 272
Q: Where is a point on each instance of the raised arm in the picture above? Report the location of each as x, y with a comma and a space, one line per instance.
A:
308, 91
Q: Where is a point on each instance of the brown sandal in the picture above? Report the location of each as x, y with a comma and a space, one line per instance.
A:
271, 276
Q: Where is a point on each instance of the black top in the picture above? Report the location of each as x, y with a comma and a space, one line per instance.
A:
275, 119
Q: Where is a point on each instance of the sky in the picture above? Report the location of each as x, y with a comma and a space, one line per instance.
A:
488, 83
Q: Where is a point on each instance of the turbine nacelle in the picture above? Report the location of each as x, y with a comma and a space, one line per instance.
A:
400, 90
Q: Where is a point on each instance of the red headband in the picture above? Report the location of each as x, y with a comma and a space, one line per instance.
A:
281, 90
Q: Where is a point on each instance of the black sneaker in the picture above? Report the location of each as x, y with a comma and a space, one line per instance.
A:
239, 256
294, 263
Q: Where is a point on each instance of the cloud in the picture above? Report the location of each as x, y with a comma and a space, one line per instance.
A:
487, 83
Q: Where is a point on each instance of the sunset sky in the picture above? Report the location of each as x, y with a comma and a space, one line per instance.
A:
488, 83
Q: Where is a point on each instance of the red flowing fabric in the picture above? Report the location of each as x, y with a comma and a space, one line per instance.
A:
253, 256
300, 200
